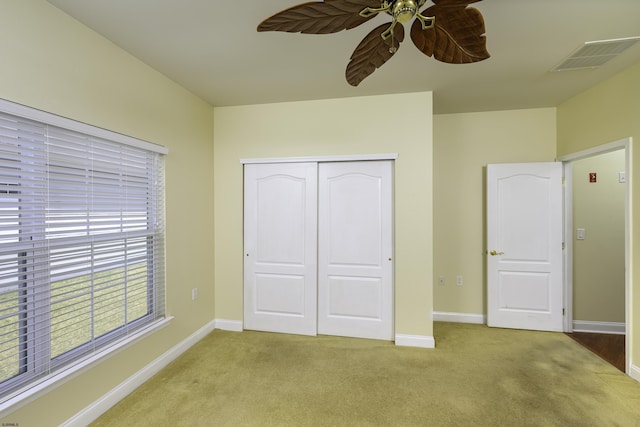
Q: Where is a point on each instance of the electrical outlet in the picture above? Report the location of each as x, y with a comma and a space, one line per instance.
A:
194, 294
459, 280
441, 280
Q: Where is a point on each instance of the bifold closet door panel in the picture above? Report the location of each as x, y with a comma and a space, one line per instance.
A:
355, 243
280, 247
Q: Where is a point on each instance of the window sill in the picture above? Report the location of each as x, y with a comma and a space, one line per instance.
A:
49, 383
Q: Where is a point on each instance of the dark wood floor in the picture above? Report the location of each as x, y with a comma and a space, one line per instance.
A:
610, 347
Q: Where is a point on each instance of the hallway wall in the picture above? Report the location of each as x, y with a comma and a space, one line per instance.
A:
598, 259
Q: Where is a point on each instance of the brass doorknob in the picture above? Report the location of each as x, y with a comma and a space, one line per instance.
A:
494, 252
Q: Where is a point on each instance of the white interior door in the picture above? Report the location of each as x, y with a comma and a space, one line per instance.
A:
355, 267
524, 238
280, 243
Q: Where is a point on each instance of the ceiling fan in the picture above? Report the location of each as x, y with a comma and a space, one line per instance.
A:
449, 30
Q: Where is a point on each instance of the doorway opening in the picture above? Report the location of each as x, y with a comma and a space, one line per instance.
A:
577, 251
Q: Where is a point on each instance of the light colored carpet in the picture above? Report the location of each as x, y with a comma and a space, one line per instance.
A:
477, 376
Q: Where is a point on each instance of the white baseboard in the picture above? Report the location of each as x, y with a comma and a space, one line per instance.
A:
443, 316
599, 327
50, 383
634, 372
100, 406
415, 341
229, 325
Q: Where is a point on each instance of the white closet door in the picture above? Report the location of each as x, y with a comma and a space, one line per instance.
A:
355, 267
280, 244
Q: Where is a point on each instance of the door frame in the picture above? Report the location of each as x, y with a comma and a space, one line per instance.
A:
622, 144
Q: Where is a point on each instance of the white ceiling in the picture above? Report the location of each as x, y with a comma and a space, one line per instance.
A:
212, 48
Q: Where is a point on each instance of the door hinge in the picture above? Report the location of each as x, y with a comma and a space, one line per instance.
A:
563, 246
563, 311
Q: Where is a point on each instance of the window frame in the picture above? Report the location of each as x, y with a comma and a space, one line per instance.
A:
14, 390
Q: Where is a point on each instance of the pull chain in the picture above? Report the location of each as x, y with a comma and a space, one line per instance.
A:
393, 49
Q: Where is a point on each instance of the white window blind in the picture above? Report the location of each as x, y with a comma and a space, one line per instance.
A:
81, 246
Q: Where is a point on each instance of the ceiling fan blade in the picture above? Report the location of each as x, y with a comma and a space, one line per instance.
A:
457, 36
329, 16
373, 52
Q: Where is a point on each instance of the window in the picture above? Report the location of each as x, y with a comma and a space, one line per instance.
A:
81, 242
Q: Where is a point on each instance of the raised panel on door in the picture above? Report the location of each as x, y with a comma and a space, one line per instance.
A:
355, 267
524, 236
280, 244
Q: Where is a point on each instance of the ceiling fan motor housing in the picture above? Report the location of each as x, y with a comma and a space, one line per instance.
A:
403, 10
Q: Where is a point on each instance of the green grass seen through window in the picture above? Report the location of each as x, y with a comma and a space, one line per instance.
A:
72, 302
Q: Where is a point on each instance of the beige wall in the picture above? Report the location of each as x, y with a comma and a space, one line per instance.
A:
598, 260
609, 112
370, 125
463, 146
51, 62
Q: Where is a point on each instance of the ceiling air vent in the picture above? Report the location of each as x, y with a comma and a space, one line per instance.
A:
596, 53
